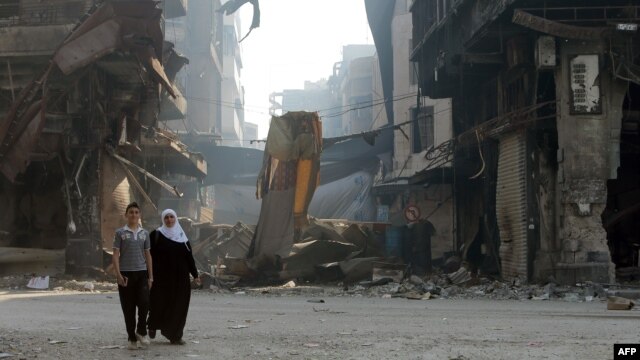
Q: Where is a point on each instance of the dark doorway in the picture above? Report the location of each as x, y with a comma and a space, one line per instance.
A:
622, 215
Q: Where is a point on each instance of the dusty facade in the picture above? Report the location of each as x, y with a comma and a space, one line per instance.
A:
416, 175
81, 86
544, 111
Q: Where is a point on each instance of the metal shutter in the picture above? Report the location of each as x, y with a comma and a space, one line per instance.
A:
511, 205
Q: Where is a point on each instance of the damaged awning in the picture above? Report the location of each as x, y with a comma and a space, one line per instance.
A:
175, 156
391, 187
558, 29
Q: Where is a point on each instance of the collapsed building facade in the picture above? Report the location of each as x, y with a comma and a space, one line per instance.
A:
546, 148
81, 85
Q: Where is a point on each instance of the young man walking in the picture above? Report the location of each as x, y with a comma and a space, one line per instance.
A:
134, 271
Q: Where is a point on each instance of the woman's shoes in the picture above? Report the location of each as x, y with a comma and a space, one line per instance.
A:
178, 342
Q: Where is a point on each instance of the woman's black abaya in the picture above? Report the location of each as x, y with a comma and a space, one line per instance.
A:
171, 290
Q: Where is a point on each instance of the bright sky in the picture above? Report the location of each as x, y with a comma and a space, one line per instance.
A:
297, 40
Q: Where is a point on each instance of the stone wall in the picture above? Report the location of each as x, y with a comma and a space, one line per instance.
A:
584, 167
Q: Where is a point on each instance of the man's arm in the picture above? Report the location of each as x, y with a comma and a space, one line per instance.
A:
147, 257
116, 265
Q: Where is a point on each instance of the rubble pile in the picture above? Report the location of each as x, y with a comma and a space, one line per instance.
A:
462, 285
348, 258
325, 252
221, 241
62, 283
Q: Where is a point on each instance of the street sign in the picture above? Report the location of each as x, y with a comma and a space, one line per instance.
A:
412, 213
627, 27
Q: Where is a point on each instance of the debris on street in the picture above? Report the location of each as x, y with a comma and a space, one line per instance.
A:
38, 282
619, 303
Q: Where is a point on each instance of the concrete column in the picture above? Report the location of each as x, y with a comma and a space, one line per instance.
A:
585, 164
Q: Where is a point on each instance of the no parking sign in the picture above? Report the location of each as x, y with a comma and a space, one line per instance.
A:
412, 213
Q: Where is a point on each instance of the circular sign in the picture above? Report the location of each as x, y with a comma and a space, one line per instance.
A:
412, 213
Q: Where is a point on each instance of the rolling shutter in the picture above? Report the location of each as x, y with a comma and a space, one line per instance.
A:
511, 205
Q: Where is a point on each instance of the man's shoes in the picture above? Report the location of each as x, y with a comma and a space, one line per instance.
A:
143, 339
152, 333
178, 342
133, 345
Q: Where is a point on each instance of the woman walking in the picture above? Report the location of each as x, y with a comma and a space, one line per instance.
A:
171, 291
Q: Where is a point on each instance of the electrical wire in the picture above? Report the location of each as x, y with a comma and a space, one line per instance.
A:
366, 107
481, 157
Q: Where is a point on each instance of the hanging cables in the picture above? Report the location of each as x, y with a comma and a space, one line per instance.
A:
481, 157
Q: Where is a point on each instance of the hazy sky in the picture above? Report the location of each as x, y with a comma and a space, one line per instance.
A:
297, 40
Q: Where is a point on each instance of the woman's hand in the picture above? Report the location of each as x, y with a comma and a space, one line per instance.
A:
198, 281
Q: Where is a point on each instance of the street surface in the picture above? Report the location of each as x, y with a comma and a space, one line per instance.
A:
250, 326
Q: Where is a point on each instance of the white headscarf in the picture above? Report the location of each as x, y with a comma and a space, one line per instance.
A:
175, 232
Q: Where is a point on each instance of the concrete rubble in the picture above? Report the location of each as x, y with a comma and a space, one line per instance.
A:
345, 259
59, 283
337, 259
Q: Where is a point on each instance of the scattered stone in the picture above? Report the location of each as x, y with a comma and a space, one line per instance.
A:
413, 296
571, 297
619, 303
237, 327
89, 286
415, 280
450, 291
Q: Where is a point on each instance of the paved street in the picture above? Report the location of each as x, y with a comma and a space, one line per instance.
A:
290, 327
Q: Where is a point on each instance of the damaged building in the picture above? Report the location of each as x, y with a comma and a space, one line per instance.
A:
415, 188
546, 147
81, 85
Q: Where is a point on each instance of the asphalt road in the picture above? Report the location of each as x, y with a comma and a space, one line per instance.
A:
290, 327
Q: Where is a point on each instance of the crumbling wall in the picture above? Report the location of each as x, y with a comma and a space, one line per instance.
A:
584, 167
